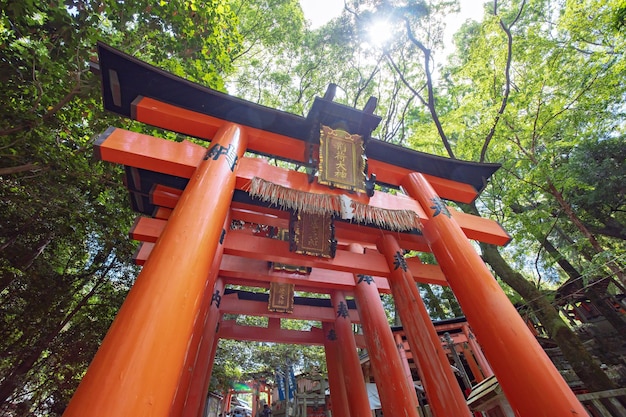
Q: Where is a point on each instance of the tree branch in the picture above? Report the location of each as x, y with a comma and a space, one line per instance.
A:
20, 168
49, 114
507, 74
430, 103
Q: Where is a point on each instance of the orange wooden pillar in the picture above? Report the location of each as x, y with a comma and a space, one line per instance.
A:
396, 395
200, 410
137, 368
201, 372
440, 385
353, 376
478, 353
265, 389
471, 362
195, 361
403, 358
228, 397
528, 378
336, 382
255, 397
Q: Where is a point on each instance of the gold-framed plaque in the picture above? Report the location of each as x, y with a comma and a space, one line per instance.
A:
313, 234
281, 297
341, 160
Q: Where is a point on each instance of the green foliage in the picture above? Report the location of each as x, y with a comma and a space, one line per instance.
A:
64, 253
565, 93
594, 174
619, 16
241, 361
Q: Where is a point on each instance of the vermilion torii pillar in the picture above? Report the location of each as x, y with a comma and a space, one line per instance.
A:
528, 378
396, 395
137, 368
201, 375
403, 358
485, 368
192, 378
338, 397
353, 376
441, 387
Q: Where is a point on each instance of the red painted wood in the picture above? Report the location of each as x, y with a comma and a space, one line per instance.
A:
174, 118
180, 159
143, 252
391, 174
397, 396
442, 389
137, 368
255, 273
229, 329
351, 365
162, 213
231, 304
189, 393
471, 362
244, 245
203, 366
339, 401
403, 358
530, 381
478, 353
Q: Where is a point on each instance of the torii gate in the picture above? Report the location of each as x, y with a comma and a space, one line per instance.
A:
348, 240
254, 387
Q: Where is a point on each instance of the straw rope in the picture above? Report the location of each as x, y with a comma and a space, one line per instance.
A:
301, 201
287, 198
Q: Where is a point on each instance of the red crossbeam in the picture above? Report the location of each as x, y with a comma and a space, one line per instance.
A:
181, 159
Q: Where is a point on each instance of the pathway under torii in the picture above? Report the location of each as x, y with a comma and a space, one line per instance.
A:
213, 217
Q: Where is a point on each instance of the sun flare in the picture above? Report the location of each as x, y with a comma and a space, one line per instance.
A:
379, 32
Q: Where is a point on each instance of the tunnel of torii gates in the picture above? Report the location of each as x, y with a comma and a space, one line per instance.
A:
219, 215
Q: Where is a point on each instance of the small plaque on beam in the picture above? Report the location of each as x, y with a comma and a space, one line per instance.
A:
313, 234
342, 160
281, 297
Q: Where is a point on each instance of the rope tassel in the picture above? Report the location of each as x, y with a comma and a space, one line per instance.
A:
301, 201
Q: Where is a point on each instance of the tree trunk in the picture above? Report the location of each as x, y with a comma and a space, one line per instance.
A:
597, 289
571, 347
448, 295
21, 168
598, 296
433, 302
615, 268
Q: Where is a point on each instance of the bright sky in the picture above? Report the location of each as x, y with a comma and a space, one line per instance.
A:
319, 12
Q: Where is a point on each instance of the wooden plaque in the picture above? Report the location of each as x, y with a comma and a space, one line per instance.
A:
342, 160
313, 234
281, 297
